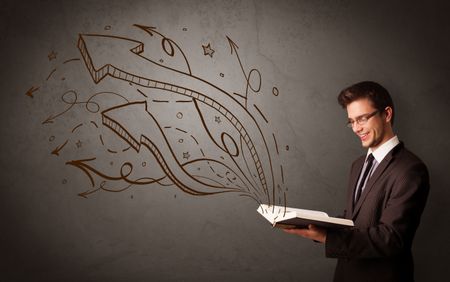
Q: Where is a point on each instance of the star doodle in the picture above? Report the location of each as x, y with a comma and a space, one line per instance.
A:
207, 50
217, 119
79, 144
186, 155
52, 55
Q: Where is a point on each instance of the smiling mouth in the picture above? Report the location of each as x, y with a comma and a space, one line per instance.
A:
364, 136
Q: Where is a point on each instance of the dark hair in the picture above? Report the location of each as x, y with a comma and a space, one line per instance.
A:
377, 95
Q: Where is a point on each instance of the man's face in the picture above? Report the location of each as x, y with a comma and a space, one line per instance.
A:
376, 130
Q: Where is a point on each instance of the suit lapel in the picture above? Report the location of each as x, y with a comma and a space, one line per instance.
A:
356, 171
373, 179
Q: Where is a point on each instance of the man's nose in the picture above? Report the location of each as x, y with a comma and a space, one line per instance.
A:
356, 127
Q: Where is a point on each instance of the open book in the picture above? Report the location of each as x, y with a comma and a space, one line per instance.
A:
284, 217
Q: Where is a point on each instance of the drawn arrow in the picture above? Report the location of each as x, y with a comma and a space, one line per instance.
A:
234, 47
51, 118
90, 171
119, 118
152, 30
59, 148
121, 58
31, 91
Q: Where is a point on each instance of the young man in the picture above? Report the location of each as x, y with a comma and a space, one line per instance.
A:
387, 193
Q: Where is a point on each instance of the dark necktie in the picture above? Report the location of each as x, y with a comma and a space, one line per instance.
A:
369, 162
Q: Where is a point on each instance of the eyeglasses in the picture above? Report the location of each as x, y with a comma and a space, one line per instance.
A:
361, 120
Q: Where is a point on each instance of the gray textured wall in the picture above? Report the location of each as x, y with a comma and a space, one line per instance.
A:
308, 50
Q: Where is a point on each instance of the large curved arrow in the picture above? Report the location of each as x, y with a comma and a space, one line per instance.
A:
159, 146
121, 58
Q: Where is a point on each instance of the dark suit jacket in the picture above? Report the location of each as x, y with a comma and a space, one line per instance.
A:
386, 218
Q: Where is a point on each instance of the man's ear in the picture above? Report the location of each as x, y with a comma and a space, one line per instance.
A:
388, 112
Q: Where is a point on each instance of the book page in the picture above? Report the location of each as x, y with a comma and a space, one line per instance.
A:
286, 216
281, 211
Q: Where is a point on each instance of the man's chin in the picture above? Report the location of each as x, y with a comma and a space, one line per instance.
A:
367, 144
374, 144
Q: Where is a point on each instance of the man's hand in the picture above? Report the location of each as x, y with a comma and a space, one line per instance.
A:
313, 232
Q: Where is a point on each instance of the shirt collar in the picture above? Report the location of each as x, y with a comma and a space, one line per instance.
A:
384, 149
